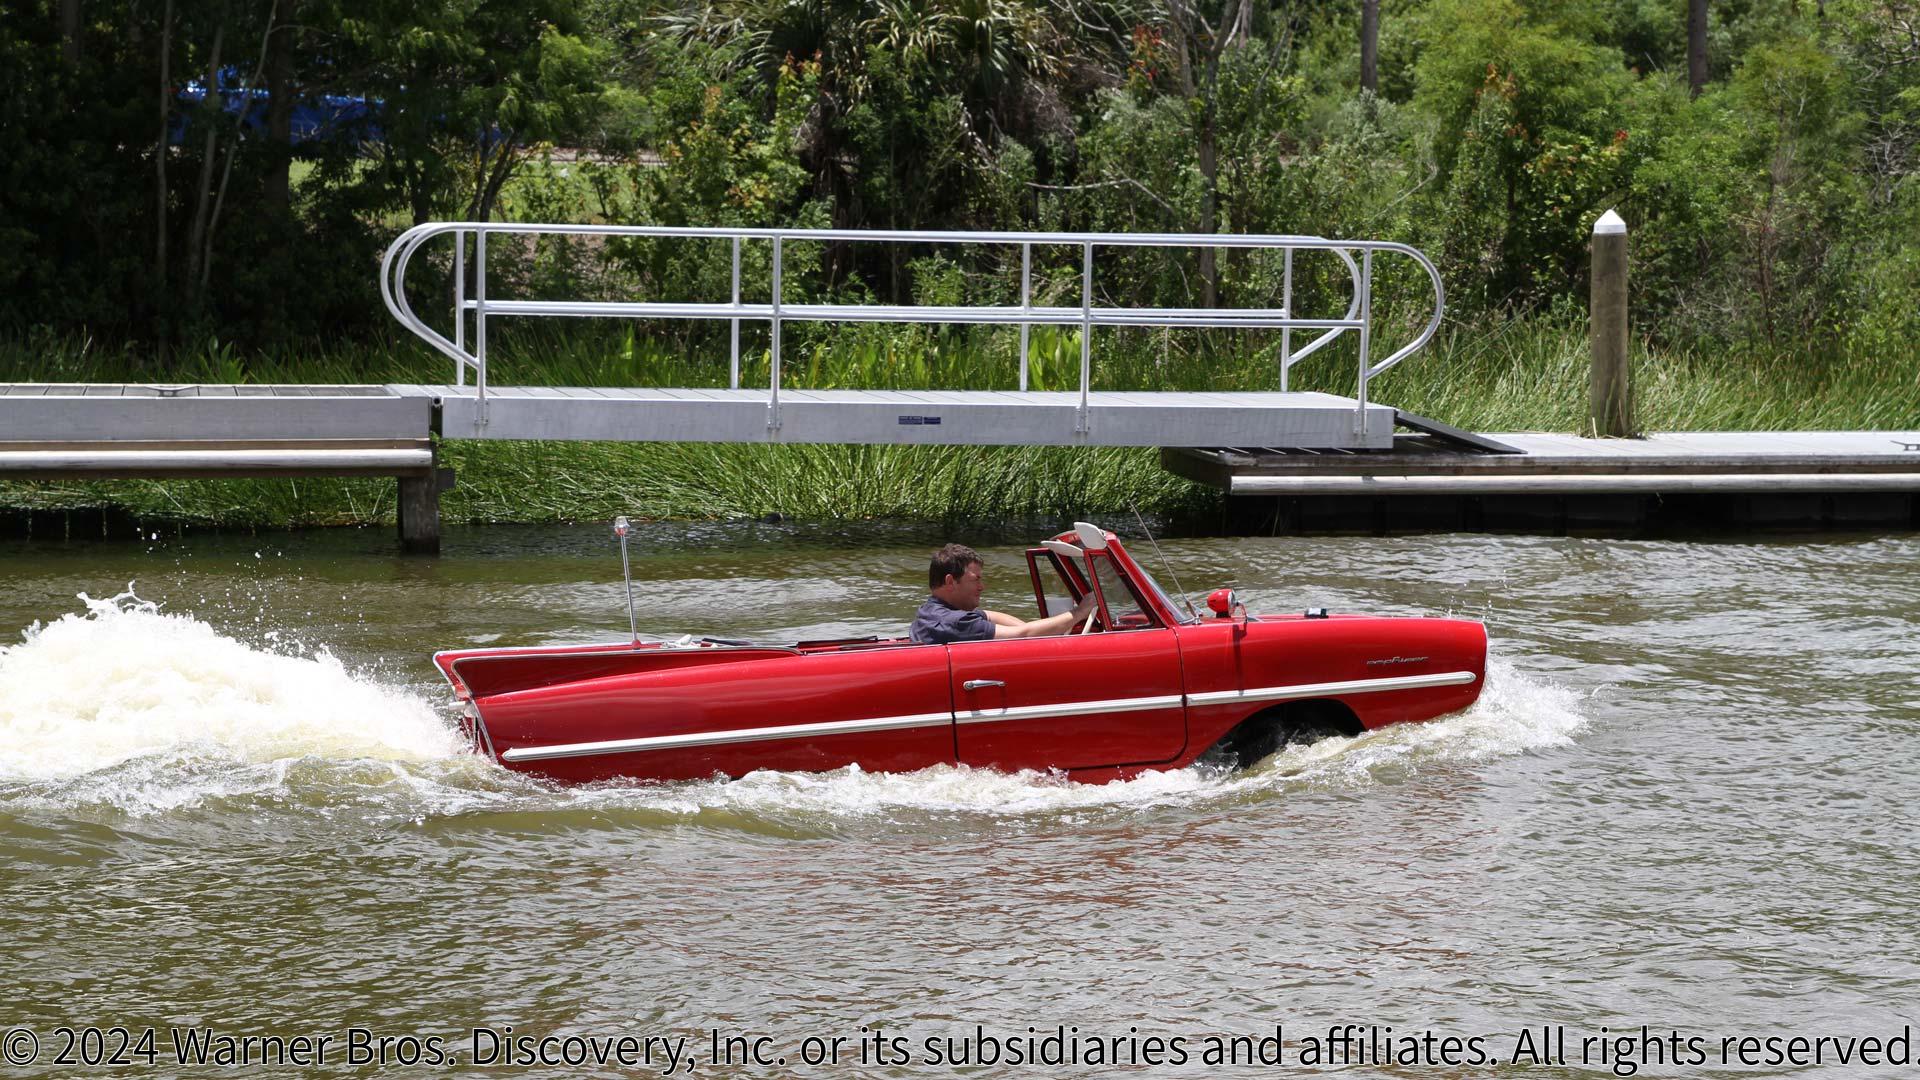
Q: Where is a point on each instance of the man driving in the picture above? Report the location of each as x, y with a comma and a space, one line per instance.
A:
953, 612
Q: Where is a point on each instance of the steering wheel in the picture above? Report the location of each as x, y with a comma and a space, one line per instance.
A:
1087, 627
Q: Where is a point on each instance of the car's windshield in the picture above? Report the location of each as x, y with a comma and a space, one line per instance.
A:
1122, 603
1056, 594
1180, 613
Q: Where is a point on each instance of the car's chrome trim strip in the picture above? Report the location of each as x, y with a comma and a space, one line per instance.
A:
984, 716
1332, 689
1068, 708
726, 735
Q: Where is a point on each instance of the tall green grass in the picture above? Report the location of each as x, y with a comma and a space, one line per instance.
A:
531, 482
1516, 375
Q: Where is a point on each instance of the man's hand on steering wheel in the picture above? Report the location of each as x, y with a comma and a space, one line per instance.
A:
1083, 613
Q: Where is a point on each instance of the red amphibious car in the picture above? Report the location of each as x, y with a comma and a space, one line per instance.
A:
1138, 686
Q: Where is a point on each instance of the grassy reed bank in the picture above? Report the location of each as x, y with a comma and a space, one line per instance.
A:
1527, 374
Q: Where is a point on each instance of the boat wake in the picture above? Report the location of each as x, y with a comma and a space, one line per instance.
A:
1515, 714
124, 683
128, 710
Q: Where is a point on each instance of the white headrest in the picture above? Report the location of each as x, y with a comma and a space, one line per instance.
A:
1092, 537
1064, 550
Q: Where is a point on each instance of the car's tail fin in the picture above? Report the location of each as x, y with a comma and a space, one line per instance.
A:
488, 672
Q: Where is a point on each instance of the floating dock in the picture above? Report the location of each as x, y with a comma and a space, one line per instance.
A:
221, 431
1531, 482
1434, 479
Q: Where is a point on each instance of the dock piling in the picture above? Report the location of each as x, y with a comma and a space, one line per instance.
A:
1610, 397
419, 514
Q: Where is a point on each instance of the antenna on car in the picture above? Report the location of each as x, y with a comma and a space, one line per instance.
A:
620, 529
1184, 598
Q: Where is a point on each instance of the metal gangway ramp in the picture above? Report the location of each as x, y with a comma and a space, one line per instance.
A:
488, 409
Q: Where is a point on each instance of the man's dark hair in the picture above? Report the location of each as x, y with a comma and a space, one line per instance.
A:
952, 559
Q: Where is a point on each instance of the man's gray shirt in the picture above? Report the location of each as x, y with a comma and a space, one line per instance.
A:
937, 623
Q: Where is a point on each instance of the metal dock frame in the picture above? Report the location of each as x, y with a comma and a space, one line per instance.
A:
470, 353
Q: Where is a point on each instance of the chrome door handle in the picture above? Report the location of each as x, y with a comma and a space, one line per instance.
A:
981, 684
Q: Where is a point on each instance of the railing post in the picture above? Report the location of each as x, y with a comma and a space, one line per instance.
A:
1366, 339
1610, 390
773, 397
480, 325
460, 304
733, 365
1026, 306
1286, 312
1084, 423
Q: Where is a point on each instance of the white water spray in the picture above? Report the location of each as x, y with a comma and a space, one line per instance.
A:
125, 681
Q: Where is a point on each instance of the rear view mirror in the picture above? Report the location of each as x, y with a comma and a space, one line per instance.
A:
1225, 603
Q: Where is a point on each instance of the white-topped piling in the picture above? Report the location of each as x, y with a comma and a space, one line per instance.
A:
1610, 398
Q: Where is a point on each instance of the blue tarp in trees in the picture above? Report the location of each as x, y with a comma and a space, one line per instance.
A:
318, 118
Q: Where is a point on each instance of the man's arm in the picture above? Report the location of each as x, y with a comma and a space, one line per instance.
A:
1006, 626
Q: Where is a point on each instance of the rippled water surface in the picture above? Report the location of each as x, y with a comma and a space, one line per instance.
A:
1686, 800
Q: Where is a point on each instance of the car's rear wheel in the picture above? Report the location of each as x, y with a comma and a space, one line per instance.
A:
1265, 733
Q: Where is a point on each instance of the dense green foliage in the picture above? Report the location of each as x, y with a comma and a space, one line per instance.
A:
1778, 207
1775, 215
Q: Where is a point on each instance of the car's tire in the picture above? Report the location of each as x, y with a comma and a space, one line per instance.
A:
1263, 734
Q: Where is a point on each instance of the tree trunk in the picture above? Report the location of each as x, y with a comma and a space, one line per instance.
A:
419, 195
494, 172
1370, 45
278, 188
212, 226
1209, 205
160, 158
203, 202
1199, 46
70, 31
1696, 46
1183, 45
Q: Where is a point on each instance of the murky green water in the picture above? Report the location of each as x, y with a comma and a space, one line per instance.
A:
1686, 801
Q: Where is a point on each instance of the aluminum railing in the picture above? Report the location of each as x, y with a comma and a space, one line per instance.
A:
775, 312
